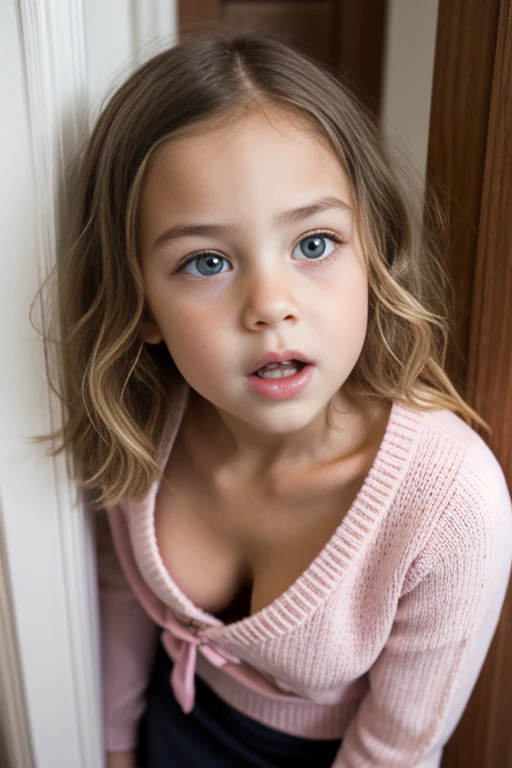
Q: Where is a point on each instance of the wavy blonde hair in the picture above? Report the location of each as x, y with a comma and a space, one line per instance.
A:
119, 393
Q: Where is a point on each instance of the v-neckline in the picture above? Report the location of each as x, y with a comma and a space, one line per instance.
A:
316, 582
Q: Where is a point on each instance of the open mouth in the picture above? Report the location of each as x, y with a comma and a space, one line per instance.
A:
282, 381
280, 370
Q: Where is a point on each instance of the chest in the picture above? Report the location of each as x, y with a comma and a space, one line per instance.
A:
234, 551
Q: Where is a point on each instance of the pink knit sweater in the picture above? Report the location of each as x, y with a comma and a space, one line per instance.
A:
379, 642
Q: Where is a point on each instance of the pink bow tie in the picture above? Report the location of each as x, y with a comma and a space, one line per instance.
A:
181, 644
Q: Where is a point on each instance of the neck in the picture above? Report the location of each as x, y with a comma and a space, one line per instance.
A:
239, 447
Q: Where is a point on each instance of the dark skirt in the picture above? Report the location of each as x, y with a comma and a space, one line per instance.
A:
216, 735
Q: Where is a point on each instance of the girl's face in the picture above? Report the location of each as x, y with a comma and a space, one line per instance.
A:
238, 241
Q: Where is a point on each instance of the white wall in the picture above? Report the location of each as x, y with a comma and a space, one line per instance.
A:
34, 496
120, 34
408, 70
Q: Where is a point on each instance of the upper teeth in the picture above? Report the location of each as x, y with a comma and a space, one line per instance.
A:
275, 371
274, 365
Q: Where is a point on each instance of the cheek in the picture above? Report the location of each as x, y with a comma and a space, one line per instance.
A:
344, 327
193, 339
347, 310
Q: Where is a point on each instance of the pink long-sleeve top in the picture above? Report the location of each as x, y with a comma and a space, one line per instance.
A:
379, 642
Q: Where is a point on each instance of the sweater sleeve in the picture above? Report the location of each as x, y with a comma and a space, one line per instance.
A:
445, 620
128, 644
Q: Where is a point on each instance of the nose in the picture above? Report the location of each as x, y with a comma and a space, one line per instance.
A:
269, 301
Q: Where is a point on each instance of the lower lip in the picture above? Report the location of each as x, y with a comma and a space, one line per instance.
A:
280, 389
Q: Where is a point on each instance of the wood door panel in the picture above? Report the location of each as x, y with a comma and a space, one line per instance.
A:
490, 381
192, 12
361, 33
459, 117
313, 24
470, 158
490, 354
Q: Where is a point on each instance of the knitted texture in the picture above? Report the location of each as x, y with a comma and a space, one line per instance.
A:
379, 642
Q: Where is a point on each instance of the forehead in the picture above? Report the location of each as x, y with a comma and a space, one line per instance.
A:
275, 150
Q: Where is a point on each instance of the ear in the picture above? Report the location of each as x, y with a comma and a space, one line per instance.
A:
150, 332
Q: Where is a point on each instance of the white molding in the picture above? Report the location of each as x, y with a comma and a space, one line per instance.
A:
154, 27
48, 601
120, 35
47, 535
15, 744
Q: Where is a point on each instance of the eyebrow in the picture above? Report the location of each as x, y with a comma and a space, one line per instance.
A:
296, 214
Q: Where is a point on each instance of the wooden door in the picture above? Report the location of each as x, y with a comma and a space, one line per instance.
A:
347, 36
470, 164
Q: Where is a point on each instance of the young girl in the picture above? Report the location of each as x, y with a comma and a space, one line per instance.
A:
305, 549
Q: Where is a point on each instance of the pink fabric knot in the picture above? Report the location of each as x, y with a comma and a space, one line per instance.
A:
182, 645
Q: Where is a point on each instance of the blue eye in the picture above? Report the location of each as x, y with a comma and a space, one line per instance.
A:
208, 263
312, 247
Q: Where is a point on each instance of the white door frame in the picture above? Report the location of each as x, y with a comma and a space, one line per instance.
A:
49, 657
